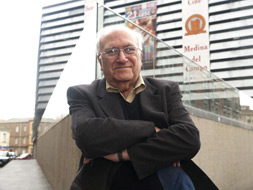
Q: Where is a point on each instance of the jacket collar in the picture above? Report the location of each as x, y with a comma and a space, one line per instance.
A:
150, 101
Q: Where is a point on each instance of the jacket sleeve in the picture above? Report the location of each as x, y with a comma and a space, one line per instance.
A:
175, 142
97, 135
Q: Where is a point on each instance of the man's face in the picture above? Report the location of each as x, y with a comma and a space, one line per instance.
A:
124, 67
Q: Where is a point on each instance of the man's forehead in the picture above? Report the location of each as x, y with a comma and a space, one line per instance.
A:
118, 37
118, 34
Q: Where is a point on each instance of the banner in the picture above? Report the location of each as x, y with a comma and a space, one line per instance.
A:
196, 37
145, 16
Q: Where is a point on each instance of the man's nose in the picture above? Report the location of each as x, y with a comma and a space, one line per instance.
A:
122, 57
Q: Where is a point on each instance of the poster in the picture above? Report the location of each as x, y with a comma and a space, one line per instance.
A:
144, 15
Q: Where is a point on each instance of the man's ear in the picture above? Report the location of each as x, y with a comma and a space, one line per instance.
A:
100, 62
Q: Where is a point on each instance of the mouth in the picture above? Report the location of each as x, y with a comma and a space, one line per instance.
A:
122, 67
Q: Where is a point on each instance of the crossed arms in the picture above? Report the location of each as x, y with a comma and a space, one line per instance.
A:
149, 147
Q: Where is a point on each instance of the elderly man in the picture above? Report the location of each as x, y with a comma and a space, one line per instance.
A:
134, 132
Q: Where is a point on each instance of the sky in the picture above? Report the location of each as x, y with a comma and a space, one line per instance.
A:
19, 42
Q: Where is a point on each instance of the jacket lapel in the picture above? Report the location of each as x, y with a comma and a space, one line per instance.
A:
151, 105
109, 102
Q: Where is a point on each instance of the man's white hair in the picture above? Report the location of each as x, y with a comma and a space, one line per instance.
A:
108, 30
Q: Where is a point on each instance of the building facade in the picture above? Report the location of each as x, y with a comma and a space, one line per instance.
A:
16, 135
20, 130
230, 34
247, 115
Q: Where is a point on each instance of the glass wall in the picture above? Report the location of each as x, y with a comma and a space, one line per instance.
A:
200, 88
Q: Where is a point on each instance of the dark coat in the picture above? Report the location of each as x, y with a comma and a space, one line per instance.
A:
99, 128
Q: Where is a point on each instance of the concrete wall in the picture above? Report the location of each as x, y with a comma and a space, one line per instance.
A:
57, 155
226, 154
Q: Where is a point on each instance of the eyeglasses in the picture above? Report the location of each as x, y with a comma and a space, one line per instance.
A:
114, 52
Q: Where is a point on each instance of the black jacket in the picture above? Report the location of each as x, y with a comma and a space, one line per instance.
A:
99, 128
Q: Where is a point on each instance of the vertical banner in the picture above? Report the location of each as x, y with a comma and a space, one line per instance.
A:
144, 15
196, 37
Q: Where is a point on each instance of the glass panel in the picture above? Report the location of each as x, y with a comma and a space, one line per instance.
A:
200, 88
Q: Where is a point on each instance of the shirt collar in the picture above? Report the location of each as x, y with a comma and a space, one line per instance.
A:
139, 87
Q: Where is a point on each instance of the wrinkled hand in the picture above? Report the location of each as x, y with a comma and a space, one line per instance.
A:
114, 157
157, 129
87, 160
176, 164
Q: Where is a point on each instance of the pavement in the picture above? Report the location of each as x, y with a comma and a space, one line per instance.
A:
23, 175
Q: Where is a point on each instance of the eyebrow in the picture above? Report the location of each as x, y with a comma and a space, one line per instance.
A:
120, 48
